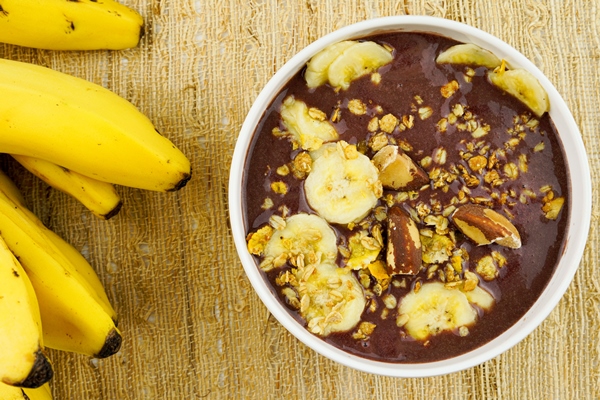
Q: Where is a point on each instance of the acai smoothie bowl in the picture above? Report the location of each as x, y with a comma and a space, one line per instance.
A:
410, 196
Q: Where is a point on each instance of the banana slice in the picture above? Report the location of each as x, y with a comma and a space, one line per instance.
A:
309, 132
469, 54
343, 185
481, 298
331, 298
318, 67
434, 309
321, 150
522, 85
364, 250
356, 61
306, 235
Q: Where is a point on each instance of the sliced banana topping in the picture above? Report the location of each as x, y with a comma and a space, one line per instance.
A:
318, 67
522, 85
331, 298
469, 54
343, 62
434, 308
356, 61
364, 250
343, 185
481, 298
303, 239
308, 131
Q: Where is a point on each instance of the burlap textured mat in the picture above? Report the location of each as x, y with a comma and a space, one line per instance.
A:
192, 324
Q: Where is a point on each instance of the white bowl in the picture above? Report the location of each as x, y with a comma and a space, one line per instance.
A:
577, 229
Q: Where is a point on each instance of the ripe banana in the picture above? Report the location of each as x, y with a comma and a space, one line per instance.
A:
70, 25
78, 267
8, 392
72, 317
331, 298
523, 85
304, 234
310, 133
99, 197
86, 128
41, 393
22, 359
468, 54
343, 185
434, 308
11, 190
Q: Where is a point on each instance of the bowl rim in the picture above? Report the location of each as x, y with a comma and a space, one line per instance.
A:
577, 227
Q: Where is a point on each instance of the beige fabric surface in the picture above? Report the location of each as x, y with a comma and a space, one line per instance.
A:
192, 325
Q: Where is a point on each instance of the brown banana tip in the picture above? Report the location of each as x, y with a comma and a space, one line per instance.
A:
114, 211
112, 344
41, 372
186, 178
142, 32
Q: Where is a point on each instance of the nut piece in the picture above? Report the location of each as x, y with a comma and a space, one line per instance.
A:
403, 244
397, 171
484, 226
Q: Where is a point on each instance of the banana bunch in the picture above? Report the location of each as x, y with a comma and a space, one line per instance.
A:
85, 128
51, 298
82, 138
70, 25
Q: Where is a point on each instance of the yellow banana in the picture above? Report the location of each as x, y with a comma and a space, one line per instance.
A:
11, 190
99, 197
70, 25
8, 392
86, 128
83, 272
72, 317
22, 359
41, 393
78, 267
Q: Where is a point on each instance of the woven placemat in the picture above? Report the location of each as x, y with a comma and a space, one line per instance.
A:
193, 327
